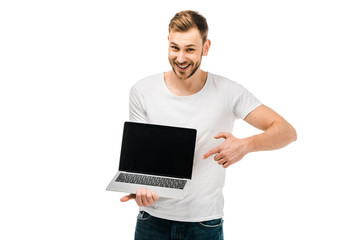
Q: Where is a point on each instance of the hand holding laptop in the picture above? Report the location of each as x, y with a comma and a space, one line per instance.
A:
143, 197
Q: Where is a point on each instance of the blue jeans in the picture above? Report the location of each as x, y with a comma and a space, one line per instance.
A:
152, 228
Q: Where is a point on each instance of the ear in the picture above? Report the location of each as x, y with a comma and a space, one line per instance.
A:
168, 37
206, 47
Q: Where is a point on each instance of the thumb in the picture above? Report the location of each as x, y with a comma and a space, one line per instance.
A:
128, 197
223, 135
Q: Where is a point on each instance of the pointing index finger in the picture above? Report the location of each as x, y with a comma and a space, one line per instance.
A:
211, 152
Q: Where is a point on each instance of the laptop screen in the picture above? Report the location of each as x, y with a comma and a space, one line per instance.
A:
157, 150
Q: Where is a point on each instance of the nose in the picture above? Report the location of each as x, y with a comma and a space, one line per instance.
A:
181, 58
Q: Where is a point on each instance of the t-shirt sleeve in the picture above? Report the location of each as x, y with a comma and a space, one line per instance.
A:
240, 100
137, 111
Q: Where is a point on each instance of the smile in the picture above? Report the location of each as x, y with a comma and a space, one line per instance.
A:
183, 67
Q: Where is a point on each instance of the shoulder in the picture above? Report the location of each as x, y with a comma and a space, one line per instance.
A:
225, 83
151, 80
147, 85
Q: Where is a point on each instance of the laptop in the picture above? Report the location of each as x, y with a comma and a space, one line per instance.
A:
157, 157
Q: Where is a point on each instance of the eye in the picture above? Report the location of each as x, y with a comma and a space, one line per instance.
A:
174, 48
190, 49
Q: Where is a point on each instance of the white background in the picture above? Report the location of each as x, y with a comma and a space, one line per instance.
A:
66, 68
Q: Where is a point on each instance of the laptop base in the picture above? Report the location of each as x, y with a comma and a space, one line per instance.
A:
161, 191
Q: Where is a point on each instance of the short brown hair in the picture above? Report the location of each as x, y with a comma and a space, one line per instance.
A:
186, 20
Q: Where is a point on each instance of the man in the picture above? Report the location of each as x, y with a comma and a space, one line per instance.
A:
186, 96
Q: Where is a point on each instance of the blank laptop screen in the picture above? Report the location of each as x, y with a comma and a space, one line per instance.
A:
158, 150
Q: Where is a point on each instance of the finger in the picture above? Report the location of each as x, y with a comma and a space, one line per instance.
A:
149, 197
144, 199
155, 196
128, 197
226, 165
211, 152
138, 197
222, 161
223, 135
218, 156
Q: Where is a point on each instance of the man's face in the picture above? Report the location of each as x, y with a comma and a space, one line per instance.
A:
185, 52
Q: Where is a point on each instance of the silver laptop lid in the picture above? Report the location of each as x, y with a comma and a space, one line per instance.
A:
157, 150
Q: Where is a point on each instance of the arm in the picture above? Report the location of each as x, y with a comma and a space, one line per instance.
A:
277, 134
277, 131
137, 111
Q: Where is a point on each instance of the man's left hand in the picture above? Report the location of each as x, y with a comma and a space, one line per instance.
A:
230, 151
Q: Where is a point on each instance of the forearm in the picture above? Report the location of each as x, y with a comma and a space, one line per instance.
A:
278, 135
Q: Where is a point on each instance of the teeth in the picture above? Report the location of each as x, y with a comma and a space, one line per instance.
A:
183, 67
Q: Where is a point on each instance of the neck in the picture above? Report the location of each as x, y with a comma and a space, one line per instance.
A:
185, 87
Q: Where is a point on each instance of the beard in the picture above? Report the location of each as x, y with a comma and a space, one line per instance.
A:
193, 67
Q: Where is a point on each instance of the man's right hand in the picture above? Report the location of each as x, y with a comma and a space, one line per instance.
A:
143, 197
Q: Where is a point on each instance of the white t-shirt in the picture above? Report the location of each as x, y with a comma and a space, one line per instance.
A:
211, 110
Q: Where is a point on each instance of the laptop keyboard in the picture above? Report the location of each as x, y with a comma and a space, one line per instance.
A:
151, 180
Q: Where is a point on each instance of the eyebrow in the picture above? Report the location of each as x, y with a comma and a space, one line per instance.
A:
189, 45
